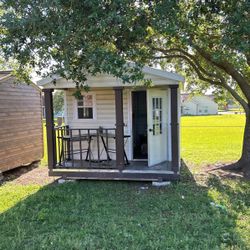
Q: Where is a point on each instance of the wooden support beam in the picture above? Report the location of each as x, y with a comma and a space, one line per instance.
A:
174, 128
51, 139
119, 132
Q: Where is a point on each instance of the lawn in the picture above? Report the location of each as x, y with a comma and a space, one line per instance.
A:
204, 214
211, 139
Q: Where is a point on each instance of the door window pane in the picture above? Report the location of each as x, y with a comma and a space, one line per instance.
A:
157, 115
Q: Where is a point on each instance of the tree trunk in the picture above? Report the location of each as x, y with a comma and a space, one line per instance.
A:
244, 162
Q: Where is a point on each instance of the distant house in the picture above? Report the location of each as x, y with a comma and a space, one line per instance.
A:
21, 135
198, 105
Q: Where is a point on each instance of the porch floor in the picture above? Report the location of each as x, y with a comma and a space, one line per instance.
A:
107, 170
141, 166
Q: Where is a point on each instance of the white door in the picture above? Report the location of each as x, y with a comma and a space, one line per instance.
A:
157, 103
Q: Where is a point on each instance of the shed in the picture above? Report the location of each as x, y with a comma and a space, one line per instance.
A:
21, 135
116, 131
199, 105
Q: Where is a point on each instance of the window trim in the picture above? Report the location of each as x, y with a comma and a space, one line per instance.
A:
94, 107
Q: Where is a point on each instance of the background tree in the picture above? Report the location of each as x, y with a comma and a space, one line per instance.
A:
58, 102
208, 40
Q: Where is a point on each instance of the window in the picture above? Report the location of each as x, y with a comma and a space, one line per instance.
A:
85, 107
157, 115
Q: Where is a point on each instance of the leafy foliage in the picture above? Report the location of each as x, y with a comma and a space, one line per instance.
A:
71, 38
78, 38
58, 101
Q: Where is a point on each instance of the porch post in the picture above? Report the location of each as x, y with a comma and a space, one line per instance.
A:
51, 142
174, 128
119, 132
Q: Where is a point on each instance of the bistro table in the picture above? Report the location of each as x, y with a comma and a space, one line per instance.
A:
110, 135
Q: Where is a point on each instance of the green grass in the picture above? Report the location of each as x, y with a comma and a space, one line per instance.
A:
45, 153
214, 214
211, 139
44, 160
118, 215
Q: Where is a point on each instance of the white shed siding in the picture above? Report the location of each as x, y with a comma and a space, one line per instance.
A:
105, 109
104, 102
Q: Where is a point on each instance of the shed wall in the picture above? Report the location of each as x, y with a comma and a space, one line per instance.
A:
104, 115
21, 136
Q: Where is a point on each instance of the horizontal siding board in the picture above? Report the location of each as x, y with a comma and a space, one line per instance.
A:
19, 113
12, 127
19, 102
9, 138
17, 150
16, 129
19, 139
14, 109
6, 105
20, 95
27, 98
6, 139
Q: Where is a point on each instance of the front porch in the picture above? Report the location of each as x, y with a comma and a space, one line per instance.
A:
100, 153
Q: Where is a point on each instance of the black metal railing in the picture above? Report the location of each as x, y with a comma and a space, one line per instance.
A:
84, 148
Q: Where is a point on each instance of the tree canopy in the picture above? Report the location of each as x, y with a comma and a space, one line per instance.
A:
69, 38
73, 38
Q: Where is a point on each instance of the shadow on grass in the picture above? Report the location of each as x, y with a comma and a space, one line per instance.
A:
122, 215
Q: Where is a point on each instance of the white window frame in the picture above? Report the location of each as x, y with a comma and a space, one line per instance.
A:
94, 107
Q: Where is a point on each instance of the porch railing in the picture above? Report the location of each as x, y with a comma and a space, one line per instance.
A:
84, 148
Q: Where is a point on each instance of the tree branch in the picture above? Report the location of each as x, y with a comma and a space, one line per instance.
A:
195, 60
219, 82
229, 69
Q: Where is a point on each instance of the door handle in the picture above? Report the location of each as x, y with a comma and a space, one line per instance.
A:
150, 130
